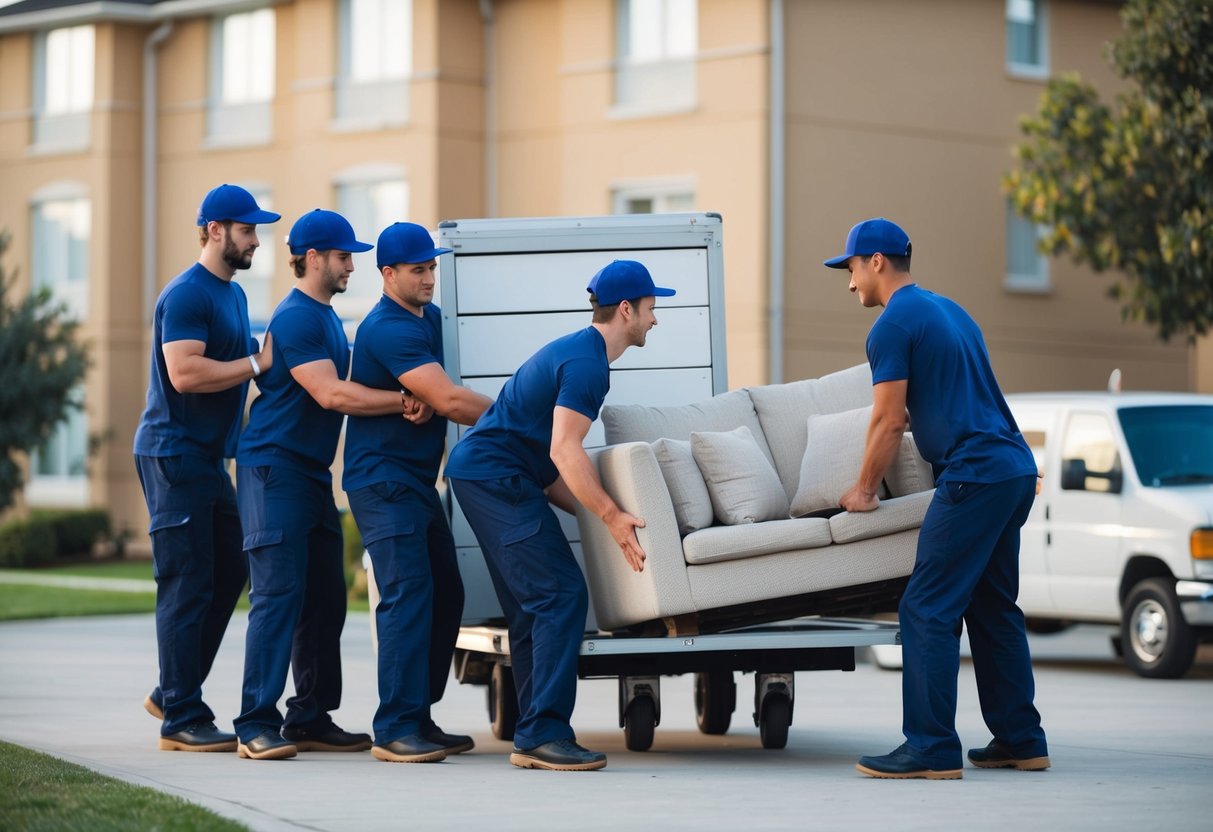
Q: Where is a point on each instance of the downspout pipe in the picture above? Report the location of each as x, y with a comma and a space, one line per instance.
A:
150, 230
777, 196
490, 110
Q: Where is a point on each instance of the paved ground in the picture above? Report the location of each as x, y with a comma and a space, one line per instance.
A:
1128, 753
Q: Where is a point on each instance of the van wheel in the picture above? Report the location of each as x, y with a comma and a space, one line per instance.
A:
503, 702
715, 701
1157, 641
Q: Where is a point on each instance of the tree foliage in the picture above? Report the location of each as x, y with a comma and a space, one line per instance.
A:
41, 362
1129, 186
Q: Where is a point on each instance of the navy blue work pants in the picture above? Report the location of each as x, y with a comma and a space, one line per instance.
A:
292, 536
405, 530
542, 593
967, 569
200, 572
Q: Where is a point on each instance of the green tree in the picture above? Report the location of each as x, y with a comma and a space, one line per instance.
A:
41, 362
1129, 186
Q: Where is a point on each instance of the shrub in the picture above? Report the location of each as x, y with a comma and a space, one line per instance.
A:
355, 575
25, 543
76, 530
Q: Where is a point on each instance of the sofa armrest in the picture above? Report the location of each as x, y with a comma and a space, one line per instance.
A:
621, 597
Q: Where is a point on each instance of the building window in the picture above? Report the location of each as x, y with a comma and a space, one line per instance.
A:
375, 59
657, 41
371, 200
59, 261
58, 472
1027, 269
258, 281
63, 87
653, 199
1027, 41
242, 78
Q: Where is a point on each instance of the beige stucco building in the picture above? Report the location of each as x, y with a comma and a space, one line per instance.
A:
791, 118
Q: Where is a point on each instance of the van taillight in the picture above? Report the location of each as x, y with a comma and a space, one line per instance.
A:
1202, 544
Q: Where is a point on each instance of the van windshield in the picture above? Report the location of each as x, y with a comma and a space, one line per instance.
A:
1170, 444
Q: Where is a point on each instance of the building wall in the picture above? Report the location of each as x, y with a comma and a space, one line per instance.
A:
906, 110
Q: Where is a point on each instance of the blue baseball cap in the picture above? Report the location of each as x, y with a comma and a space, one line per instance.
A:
406, 242
231, 202
323, 231
622, 280
874, 236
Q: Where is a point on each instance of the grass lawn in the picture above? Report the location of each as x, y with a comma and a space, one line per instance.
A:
22, 601
43, 793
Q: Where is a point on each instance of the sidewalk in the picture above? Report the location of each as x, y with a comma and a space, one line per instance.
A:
1128, 753
77, 582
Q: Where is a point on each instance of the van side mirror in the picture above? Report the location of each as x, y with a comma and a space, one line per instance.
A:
1073, 475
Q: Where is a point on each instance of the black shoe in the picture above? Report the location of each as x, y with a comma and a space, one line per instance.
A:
410, 749
997, 755
558, 755
153, 703
201, 736
451, 743
902, 764
329, 738
268, 745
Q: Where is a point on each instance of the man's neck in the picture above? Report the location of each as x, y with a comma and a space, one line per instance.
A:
310, 284
615, 338
214, 263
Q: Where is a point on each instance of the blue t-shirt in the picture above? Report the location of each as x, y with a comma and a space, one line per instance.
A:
390, 342
195, 306
514, 436
961, 422
286, 426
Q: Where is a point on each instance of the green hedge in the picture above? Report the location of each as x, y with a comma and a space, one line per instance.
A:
76, 530
51, 533
27, 543
355, 575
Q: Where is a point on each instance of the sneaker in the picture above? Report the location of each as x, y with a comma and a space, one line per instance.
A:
558, 755
903, 764
268, 745
328, 738
201, 736
998, 755
410, 749
451, 743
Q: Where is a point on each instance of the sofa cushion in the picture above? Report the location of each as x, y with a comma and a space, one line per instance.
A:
688, 492
834, 444
743, 486
896, 514
909, 473
782, 409
641, 423
721, 543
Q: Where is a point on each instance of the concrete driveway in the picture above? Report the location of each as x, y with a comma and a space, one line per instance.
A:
1128, 753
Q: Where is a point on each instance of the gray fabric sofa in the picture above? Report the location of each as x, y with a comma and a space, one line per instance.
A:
739, 497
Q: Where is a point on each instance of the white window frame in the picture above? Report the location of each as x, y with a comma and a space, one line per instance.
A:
373, 97
62, 488
662, 193
1037, 282
64, 88
663, 79
353, 306
1019, 69
73, 289
242, 116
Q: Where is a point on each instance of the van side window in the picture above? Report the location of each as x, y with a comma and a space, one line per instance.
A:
1090, 460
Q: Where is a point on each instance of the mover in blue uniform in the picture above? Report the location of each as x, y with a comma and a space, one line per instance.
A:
202, 358
928, 357
524, 452
292, 533
391, 467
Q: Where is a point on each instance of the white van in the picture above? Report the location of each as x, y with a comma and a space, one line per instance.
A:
1122, 531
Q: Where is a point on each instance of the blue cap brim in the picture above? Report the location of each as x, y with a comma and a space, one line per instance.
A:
258, 217
839, 262
662, 292
356, 246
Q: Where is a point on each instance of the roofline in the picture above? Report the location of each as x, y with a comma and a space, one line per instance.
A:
117, 11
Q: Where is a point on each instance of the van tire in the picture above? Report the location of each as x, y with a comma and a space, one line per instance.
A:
1157, 641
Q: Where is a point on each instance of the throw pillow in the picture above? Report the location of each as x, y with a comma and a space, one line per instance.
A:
741, 483
692, 504
909, 473
832, 457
